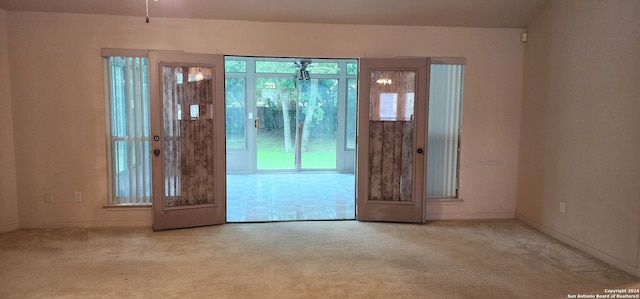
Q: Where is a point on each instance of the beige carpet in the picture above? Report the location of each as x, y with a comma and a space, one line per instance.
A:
341, 259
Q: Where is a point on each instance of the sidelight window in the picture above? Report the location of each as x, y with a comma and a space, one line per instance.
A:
127, 101
445, 112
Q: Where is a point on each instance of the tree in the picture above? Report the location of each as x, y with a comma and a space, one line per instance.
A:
310, 108
314, 99
286, 121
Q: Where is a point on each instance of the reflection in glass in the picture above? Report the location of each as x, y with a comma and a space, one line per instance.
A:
392, 94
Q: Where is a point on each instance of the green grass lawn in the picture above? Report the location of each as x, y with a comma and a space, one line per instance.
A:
278, 159
271, 152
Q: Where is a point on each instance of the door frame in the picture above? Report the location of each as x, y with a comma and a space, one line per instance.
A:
247, 158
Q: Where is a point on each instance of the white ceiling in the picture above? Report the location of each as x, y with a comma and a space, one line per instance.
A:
450, 13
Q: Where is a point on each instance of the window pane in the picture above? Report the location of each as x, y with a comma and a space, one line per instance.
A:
323, 68
278, 67
276, 100
445, 106
129, 130
188, 135
391, 135
318, 100
352, 95
352, 68
235, 66
392, 94
235, 113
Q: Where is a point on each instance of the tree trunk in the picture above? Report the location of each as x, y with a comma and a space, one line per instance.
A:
284, 99
309, 111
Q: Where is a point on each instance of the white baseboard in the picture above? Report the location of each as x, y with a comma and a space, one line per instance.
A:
579, 245
9, 228
467, 216
86, 224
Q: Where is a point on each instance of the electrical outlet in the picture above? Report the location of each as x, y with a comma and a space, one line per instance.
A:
77, 196
562, 207
48, 197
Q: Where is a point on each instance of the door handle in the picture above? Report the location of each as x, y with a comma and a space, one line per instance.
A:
256, 123
420, 150
156, 152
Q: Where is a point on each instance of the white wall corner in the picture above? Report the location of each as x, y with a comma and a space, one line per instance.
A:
631, 269
9, 228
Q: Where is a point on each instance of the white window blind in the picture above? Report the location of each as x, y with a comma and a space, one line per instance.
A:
128, 127
445, 109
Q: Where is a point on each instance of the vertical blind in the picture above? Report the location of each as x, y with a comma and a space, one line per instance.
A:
445, 107
129, 126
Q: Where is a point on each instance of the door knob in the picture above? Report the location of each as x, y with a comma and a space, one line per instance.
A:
420, 151
156, 152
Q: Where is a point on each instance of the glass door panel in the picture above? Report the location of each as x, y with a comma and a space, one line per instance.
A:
235, 90
239, 113
317, 120
352, 95
188, 133
391, 135
297, 108
275, 123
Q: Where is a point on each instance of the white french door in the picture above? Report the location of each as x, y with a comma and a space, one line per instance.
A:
188, 144
391, 154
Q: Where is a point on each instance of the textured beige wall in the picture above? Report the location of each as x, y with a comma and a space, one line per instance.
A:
8, 191
59, 100
580, 127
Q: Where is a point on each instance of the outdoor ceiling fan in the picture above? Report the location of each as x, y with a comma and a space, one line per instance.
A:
302, 73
